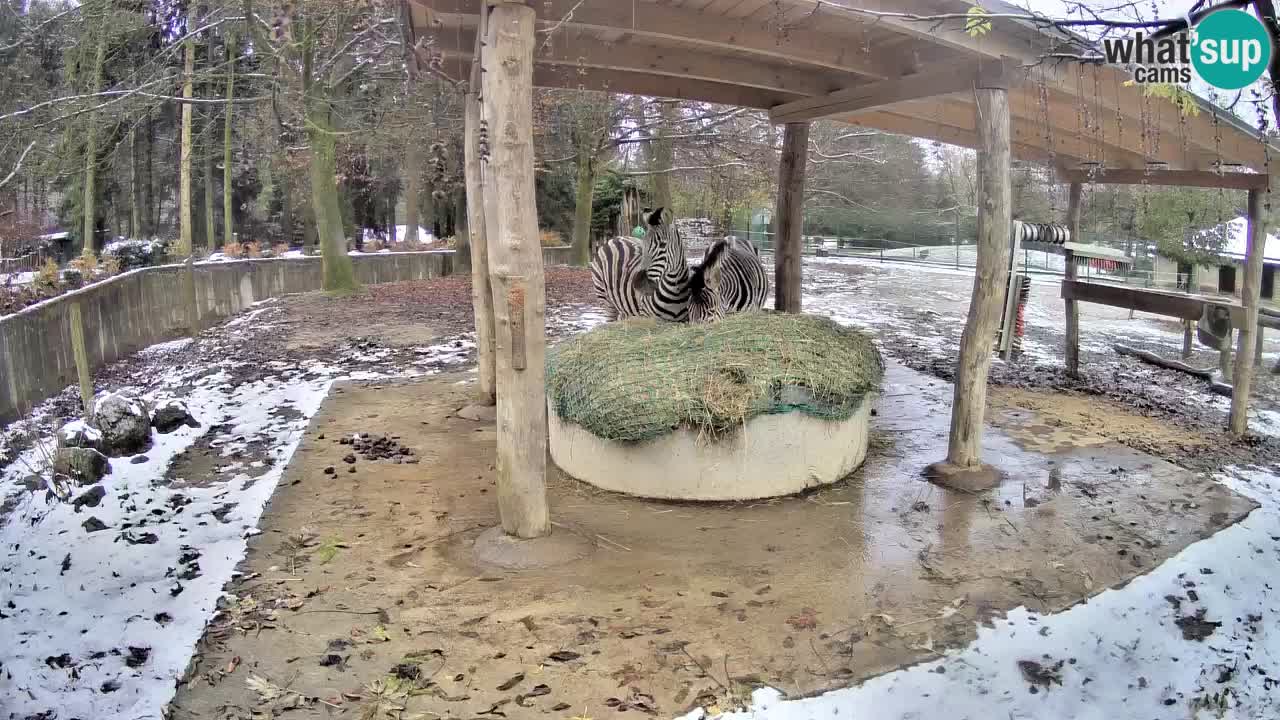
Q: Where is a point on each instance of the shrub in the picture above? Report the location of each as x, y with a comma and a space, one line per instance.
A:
253, 249
550, 238
233, 250
279, 249
47, 277
84, 263
373, 246
136, 253
111, 265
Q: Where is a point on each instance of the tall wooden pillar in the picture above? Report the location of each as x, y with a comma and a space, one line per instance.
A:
1242, 377
481, 292
1073, 311
515, 260
963, 468
789, 217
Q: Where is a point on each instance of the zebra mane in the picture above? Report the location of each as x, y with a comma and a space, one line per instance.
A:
698, 278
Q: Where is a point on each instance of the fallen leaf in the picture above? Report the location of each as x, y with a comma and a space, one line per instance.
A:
513, 681
806, 619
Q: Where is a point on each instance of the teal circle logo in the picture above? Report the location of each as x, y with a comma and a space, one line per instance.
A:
1230, 49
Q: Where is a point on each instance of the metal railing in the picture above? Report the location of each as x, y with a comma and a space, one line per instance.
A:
26, 263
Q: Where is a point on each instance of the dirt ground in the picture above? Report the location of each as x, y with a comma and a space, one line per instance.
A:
363, 593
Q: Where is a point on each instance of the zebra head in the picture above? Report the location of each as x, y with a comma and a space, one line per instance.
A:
663, 248
705, 301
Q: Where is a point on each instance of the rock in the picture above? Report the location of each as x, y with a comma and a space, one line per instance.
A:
93, 525
125, 425
138, 459
90, 498
79, 434
85, 466
171, 415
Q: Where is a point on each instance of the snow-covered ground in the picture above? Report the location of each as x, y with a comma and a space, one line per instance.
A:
1120, 655
104, 596
17, 278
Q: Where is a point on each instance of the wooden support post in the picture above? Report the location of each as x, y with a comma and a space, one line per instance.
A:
1249, 298
515, 258
1224, 359
963, 468
1073, 310
481, 292
1257, 347
82, 359
1188, 338
790, 218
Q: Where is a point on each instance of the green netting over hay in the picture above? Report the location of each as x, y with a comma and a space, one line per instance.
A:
639, 379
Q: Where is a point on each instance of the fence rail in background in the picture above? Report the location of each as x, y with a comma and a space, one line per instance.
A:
142, 307
25, 263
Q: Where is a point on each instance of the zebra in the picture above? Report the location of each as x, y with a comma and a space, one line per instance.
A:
648, 278
742, 282
706, 304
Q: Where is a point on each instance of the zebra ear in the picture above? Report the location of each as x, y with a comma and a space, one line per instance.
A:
655, 218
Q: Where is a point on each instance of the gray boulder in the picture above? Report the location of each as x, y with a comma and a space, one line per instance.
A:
170, 415
124, 422
85, 466
79, 434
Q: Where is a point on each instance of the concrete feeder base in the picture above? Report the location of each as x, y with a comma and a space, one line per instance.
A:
771, 456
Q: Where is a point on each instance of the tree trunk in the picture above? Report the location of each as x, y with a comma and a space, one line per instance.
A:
664, 157
1249, 298
789, 218
228, 223
152, 205
185, 244
1073, 312
135, 191
964, 453
339, 274
581, 252
210, 225
210, 125
517, 277
91, 151
412, 172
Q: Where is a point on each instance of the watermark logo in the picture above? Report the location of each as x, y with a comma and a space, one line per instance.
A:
1228, 49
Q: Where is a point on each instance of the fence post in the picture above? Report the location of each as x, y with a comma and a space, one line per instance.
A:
82, 359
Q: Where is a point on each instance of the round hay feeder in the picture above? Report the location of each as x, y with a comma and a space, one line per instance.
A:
754, 406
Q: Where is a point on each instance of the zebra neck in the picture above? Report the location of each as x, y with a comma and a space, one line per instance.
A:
676, 277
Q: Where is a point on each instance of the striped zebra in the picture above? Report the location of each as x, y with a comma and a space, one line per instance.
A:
742, 282
644, 278
706, 303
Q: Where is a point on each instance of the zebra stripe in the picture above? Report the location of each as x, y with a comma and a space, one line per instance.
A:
743, 283
648, 278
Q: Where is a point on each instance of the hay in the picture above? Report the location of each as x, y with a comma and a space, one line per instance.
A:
638, 379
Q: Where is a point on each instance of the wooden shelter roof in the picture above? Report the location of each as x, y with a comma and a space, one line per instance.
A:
803, 59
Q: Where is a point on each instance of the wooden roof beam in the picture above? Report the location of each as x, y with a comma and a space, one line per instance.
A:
930, 83
800, 46
672, 62
1177, 178
638, 83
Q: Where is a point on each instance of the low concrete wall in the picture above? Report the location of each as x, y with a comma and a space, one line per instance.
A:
770, 456
143, 307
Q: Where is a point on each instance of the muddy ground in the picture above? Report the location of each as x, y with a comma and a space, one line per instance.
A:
365, 594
